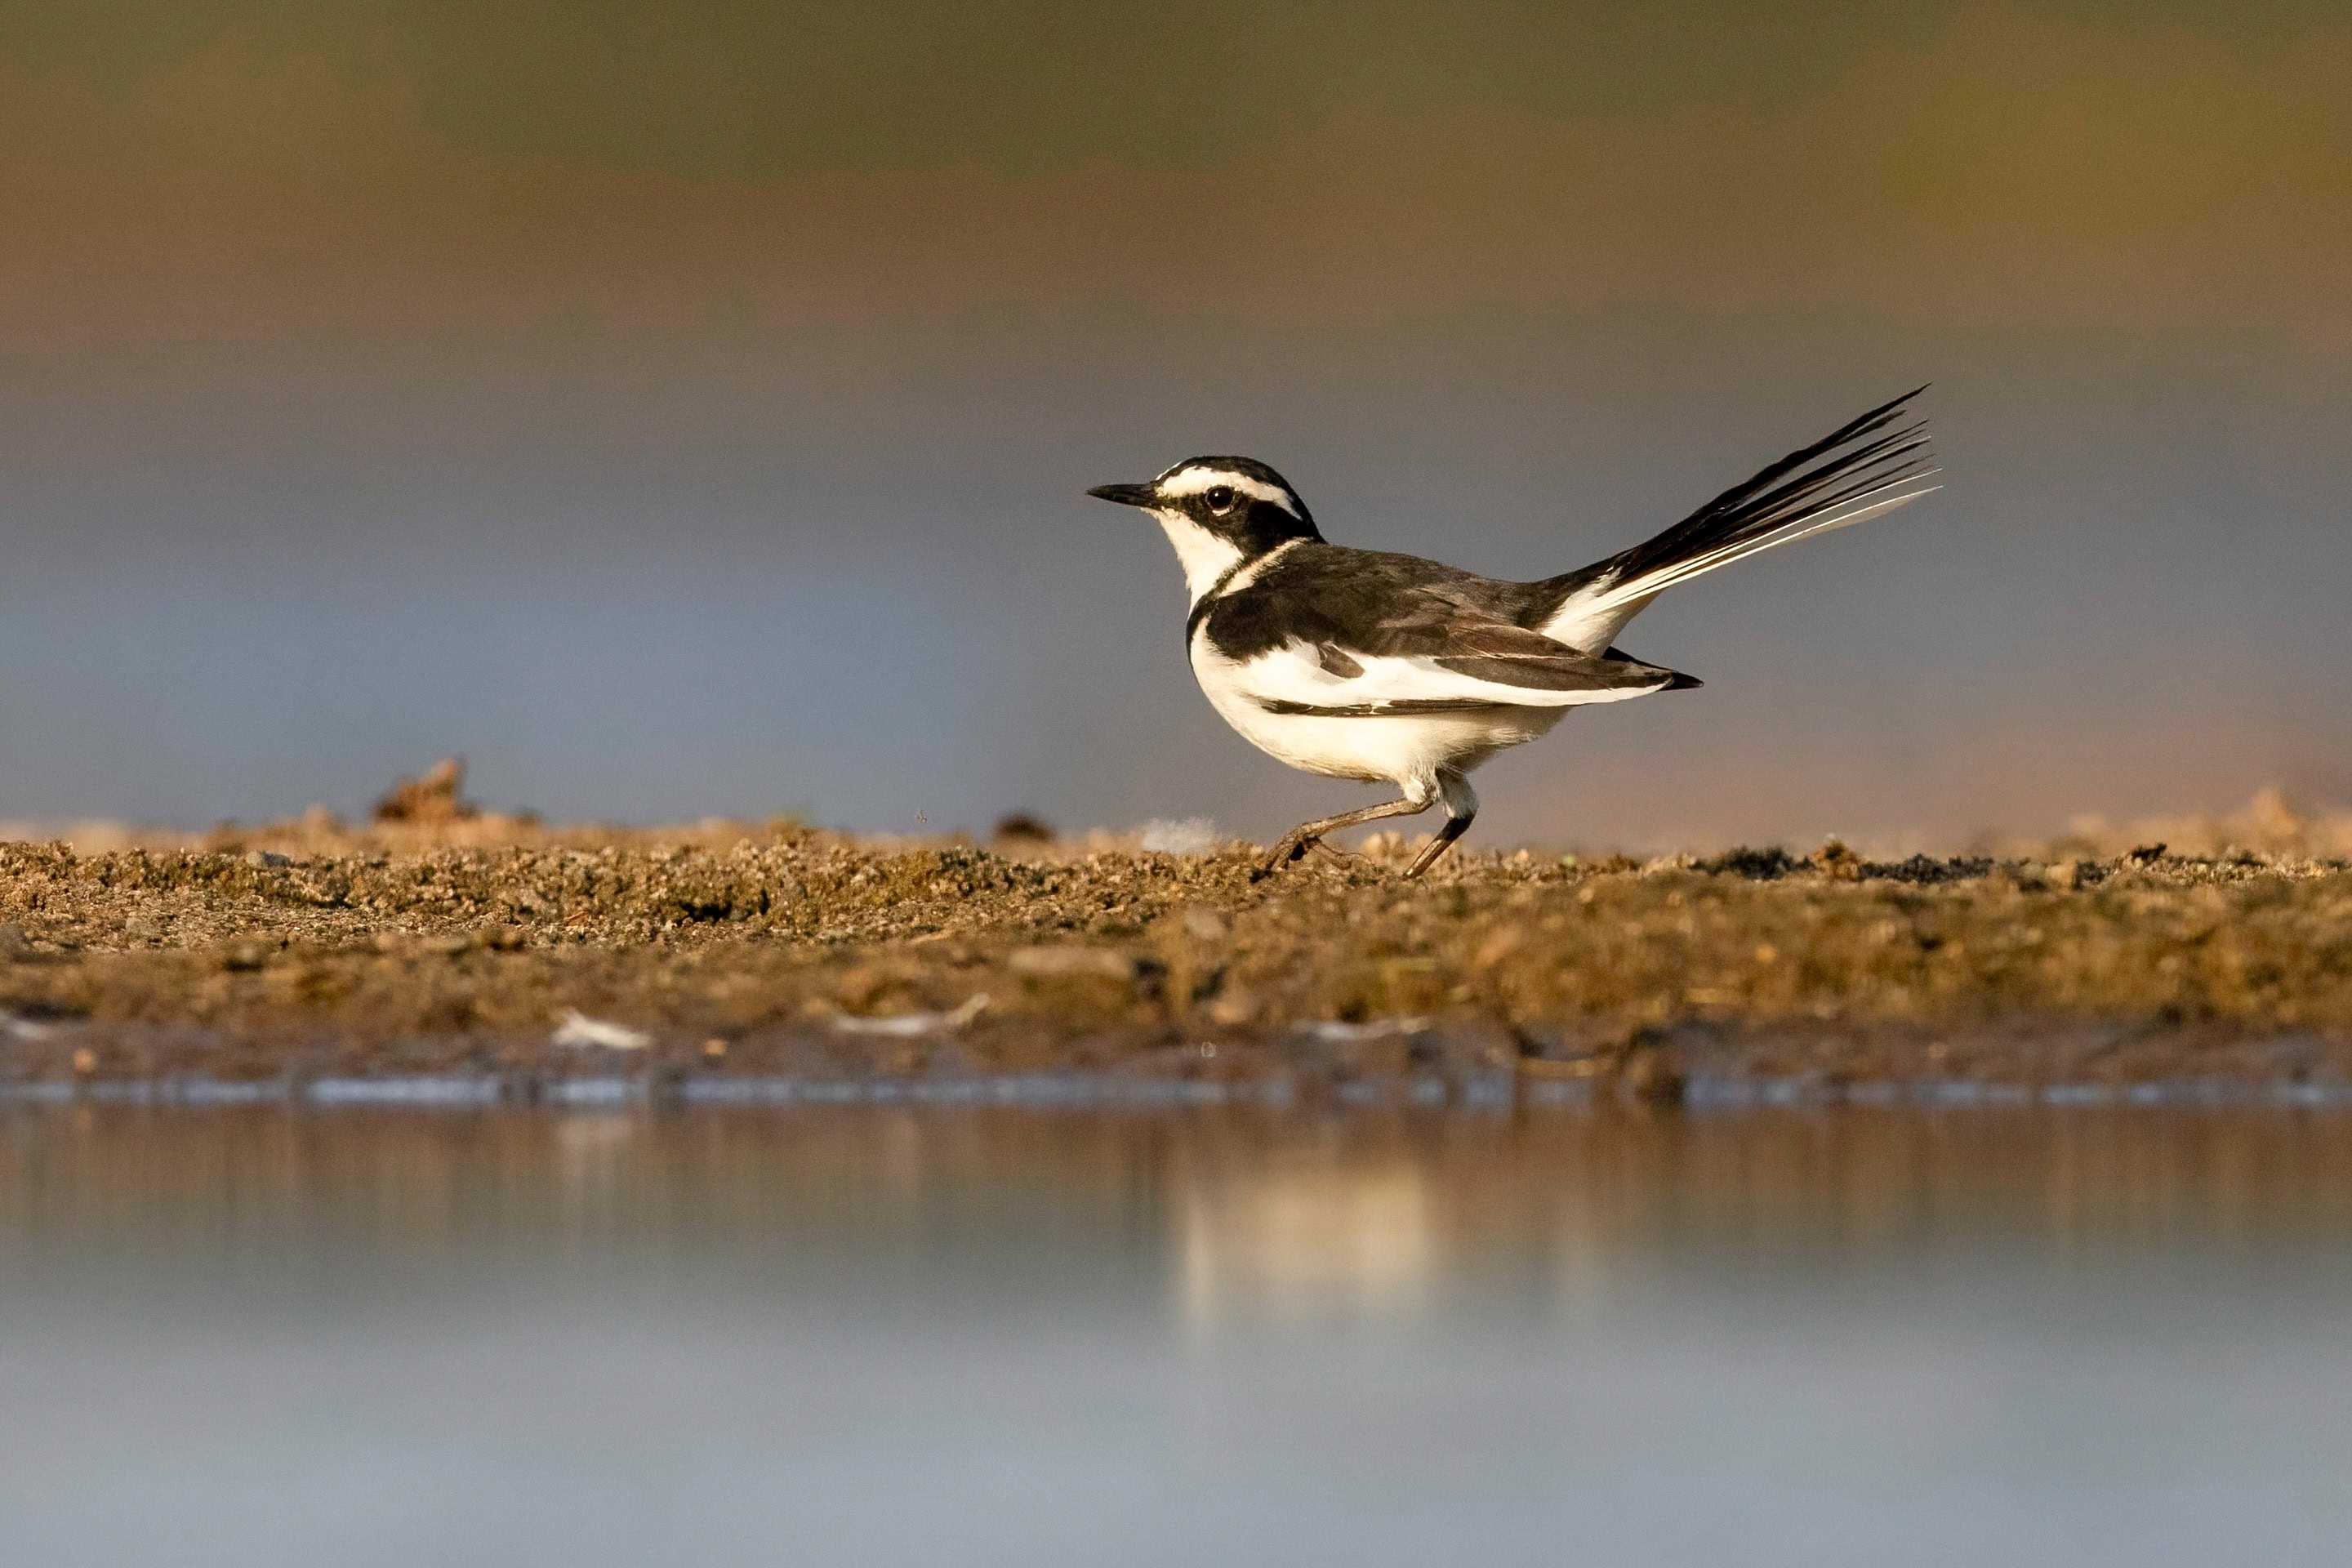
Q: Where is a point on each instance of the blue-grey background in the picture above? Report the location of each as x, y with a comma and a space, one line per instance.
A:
730, 460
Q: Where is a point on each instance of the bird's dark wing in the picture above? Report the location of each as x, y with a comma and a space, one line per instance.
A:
1331, 630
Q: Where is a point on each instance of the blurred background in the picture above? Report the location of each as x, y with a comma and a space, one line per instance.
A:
686, 410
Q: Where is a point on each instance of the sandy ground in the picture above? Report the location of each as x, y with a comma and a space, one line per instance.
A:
727, 952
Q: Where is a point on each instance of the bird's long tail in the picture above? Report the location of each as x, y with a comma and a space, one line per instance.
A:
1871, 465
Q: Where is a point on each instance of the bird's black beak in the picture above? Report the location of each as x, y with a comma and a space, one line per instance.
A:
1125, 495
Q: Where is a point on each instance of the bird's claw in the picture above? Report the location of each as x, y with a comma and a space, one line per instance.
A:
1286, 851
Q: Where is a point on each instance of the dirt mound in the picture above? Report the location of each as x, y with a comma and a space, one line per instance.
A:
435, 796
349, 948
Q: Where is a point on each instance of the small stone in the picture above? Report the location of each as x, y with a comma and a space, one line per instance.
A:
13, 943
1651, 1076
435, 795
1202, 923
1500, 945
1194, 835
1021, 827
1834, 860
1231, 1008
1070, 963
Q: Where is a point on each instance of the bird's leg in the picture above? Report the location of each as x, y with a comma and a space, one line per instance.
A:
1295, 843
1461, 811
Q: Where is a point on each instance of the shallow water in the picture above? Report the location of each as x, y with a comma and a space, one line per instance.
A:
931, 1334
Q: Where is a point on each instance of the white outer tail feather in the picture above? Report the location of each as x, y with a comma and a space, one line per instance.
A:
1591, 619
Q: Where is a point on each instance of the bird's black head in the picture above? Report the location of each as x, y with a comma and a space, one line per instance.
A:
1219, 511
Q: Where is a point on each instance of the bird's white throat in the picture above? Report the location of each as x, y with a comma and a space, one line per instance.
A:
1203, 555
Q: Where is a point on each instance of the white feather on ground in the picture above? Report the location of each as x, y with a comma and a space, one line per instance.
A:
578, 1031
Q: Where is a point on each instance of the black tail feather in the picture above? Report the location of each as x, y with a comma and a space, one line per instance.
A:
1787, 493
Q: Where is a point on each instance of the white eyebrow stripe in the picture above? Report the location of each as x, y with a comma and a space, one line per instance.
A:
1192, 481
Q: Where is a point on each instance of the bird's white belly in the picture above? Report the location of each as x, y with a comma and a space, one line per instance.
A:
1393, 746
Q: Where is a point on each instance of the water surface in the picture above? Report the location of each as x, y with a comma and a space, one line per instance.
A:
961, 1335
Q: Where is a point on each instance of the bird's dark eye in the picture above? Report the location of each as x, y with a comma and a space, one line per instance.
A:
1220, 499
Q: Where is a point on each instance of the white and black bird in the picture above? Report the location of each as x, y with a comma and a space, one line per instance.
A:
1365, 664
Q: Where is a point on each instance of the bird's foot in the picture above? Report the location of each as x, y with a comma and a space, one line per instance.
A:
1343, 858
1291, 848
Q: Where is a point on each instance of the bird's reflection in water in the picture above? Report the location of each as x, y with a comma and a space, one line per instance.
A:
1305, 1238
